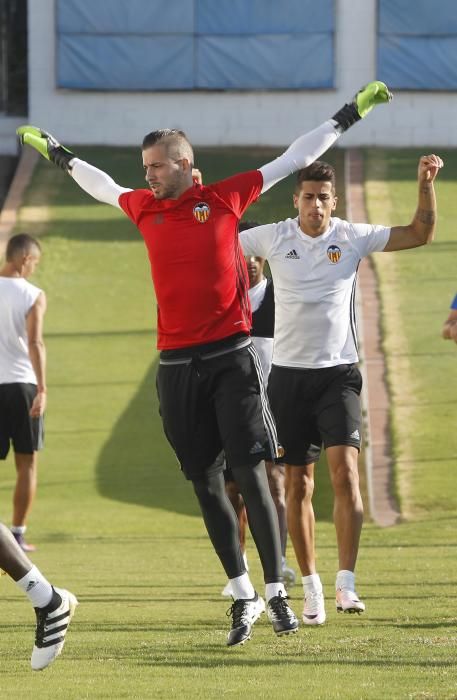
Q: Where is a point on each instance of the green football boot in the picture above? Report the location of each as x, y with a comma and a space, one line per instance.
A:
369, 96
46, 145
375, 93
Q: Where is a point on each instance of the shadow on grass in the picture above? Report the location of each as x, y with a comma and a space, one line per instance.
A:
136, 465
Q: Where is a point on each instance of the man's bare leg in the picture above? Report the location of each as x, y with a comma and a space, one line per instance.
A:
24, 495
348, 519
26, 483
300, 515
300, 521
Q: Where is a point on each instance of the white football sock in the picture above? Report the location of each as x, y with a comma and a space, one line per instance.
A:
274, 589
312, 583
345, 580
242, 587
36, 587
18, 529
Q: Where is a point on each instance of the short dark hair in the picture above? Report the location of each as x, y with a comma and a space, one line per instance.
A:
245, 225
20, 243
176, 141
319, 171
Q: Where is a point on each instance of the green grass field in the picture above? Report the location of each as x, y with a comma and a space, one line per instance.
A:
116, 522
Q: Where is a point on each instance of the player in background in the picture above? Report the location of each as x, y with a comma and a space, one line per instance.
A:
54, 607
314, 385
261, 297
22, 373
212, 399
449, 331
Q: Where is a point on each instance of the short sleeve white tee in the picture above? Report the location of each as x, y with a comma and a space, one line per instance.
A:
315, 280
17, 296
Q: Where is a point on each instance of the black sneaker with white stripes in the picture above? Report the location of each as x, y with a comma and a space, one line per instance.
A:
51, 627
281, 615
244, 612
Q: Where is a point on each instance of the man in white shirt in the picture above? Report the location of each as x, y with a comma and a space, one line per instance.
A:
314, 385
22, 373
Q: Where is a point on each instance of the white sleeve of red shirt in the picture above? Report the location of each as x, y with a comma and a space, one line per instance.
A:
238, 191
96, 183
301, 153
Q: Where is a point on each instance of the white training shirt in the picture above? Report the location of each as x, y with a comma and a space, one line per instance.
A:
314, 281
17, 296
264, 346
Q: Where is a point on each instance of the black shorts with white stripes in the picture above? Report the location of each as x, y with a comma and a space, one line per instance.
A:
16, 424
314, 407
212, 399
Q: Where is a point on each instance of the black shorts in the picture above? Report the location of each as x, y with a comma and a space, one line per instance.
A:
314, 407
16, 424
213, 404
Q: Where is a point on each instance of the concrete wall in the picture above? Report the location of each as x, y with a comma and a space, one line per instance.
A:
263, 118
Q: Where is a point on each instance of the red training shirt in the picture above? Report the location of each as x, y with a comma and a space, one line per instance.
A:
197, 265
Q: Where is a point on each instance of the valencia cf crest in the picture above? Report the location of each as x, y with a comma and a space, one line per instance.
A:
201, 212
334, 254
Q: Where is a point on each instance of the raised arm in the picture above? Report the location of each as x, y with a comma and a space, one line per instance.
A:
92, 180
37, 352
421, 230
310, 146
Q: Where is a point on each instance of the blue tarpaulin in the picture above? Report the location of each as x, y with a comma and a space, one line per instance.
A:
195, 44
417, 44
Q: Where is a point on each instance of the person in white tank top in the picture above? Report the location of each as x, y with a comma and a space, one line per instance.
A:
22, 372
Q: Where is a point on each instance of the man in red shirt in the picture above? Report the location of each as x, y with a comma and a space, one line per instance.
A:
212, 398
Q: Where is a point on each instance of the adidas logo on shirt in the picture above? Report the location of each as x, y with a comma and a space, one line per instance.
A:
292, 255
355, 435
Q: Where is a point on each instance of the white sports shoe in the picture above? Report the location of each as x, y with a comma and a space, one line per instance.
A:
314, 608
348, 601
51, 627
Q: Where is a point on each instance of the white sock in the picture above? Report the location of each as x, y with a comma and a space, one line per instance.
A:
18, 529
345, 580
36, 587
274, 589
242, 587
312, 583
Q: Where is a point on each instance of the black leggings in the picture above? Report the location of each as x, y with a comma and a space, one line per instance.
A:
222, 524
